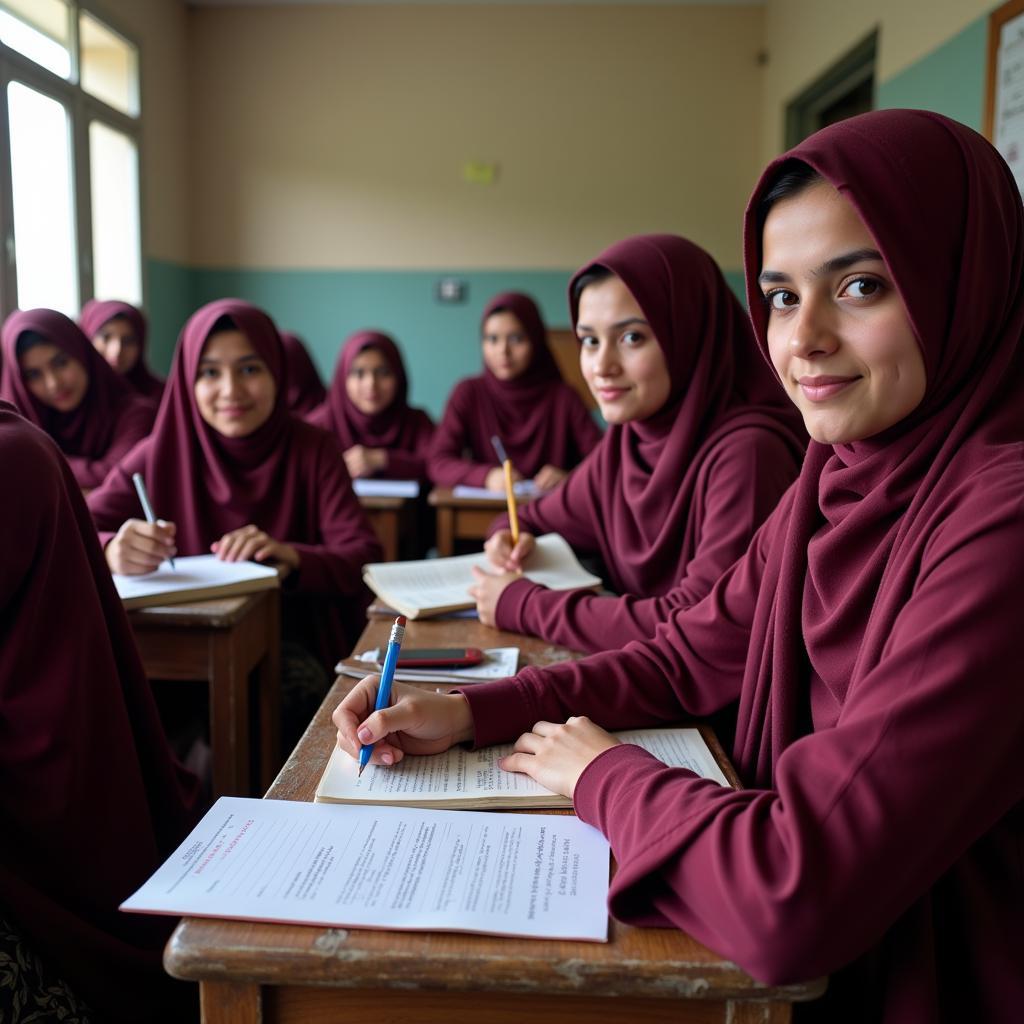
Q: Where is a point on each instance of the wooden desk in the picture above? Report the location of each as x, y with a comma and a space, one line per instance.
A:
270, 973
390, 517
463, 518
222, 642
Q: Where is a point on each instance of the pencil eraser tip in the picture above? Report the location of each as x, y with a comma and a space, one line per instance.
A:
400, 621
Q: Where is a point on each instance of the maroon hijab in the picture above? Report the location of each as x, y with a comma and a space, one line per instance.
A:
519, 408
861, 511
397, 426
96, 312
645, 473
91, 797
88, 430
305, 389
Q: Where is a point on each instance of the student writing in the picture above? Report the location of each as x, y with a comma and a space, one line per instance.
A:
701, 445
520, 398
870, 634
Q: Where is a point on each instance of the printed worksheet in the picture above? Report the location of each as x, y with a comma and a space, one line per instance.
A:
531, 875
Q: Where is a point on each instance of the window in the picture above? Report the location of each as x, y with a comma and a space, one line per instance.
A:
69, 158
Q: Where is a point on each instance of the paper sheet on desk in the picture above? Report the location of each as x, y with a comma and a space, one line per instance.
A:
498, 663
335, 865
373, 488
194, 578
522, 489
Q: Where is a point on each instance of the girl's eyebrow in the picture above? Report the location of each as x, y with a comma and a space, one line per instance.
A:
831, 266
617, 326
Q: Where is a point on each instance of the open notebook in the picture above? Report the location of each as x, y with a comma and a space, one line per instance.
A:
194, 578
434, 586
471, 779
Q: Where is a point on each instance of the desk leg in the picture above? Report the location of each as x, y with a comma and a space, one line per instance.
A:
229, 719
223, 1002
268, 687
445, 532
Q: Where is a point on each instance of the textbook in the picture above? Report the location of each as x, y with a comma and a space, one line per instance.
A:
435, 586
471, 779
537, 876
194, 578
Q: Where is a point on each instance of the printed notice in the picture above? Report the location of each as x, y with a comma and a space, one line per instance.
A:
532, 875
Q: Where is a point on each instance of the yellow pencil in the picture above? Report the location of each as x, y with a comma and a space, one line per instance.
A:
510, 493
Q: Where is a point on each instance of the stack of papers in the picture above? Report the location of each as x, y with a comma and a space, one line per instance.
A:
498, 663
195, 578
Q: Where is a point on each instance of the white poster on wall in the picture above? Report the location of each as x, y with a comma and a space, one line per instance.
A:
1008, 126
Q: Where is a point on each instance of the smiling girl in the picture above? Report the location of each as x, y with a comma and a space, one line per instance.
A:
871, 632
232, 472
367, 409
701, 445
59, 382
520, 398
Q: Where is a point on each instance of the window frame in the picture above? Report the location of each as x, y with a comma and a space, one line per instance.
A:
83, 108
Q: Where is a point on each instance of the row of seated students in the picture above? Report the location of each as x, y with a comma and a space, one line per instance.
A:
856, 607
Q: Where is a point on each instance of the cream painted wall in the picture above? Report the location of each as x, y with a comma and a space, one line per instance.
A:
804, 38
160, 27
334, 137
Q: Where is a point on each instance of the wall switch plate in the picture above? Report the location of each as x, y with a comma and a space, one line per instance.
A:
451, 289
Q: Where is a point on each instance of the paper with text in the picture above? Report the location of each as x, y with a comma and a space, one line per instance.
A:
533, 875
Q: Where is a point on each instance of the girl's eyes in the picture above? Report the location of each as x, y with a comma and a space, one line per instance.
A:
588, 341
633, 338
863, 287
780, 298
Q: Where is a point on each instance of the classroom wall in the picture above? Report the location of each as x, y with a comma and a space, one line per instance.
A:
922, 59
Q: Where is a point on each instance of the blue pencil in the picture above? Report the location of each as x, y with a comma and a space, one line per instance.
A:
387, 676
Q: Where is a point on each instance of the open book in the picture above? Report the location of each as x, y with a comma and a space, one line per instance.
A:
195, 578
472, 780
434, 586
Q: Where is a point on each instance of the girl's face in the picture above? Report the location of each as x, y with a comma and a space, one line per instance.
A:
234, 389
838, 332
507, 347
118, 343
53, 377
371, 384
621, 360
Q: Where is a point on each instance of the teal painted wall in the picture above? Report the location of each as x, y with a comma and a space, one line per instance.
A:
440, 340
950, 80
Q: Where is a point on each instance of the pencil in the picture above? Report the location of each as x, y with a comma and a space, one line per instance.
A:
510, 494
140, 489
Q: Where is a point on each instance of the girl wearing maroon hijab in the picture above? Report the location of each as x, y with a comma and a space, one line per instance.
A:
871, 634
368, 410
701, 445
118, 332
520, 398
91, 799
305, 389
231, 471
59, 382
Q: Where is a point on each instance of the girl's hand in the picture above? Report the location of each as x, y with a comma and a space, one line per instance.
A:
361, 461
556, 755
252, 543
487, 592
549, 477
140, 547
417, 722
503, 555
496, 478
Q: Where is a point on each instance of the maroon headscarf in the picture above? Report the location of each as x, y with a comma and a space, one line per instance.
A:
90, 429
305, 388
394, 427
97, 312
518, 408
860, 511
645, 473
91, 798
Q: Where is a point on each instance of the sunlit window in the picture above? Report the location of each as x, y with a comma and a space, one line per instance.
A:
117, 258
40, 30
110, 65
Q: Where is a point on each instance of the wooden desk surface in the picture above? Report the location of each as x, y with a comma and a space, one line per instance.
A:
249, 969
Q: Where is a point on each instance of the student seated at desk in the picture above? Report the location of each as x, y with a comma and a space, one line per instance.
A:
701, 445
521, 399
305, 388
59, 382
91, 799
367, 409
871, 634
118, 332
230, 470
